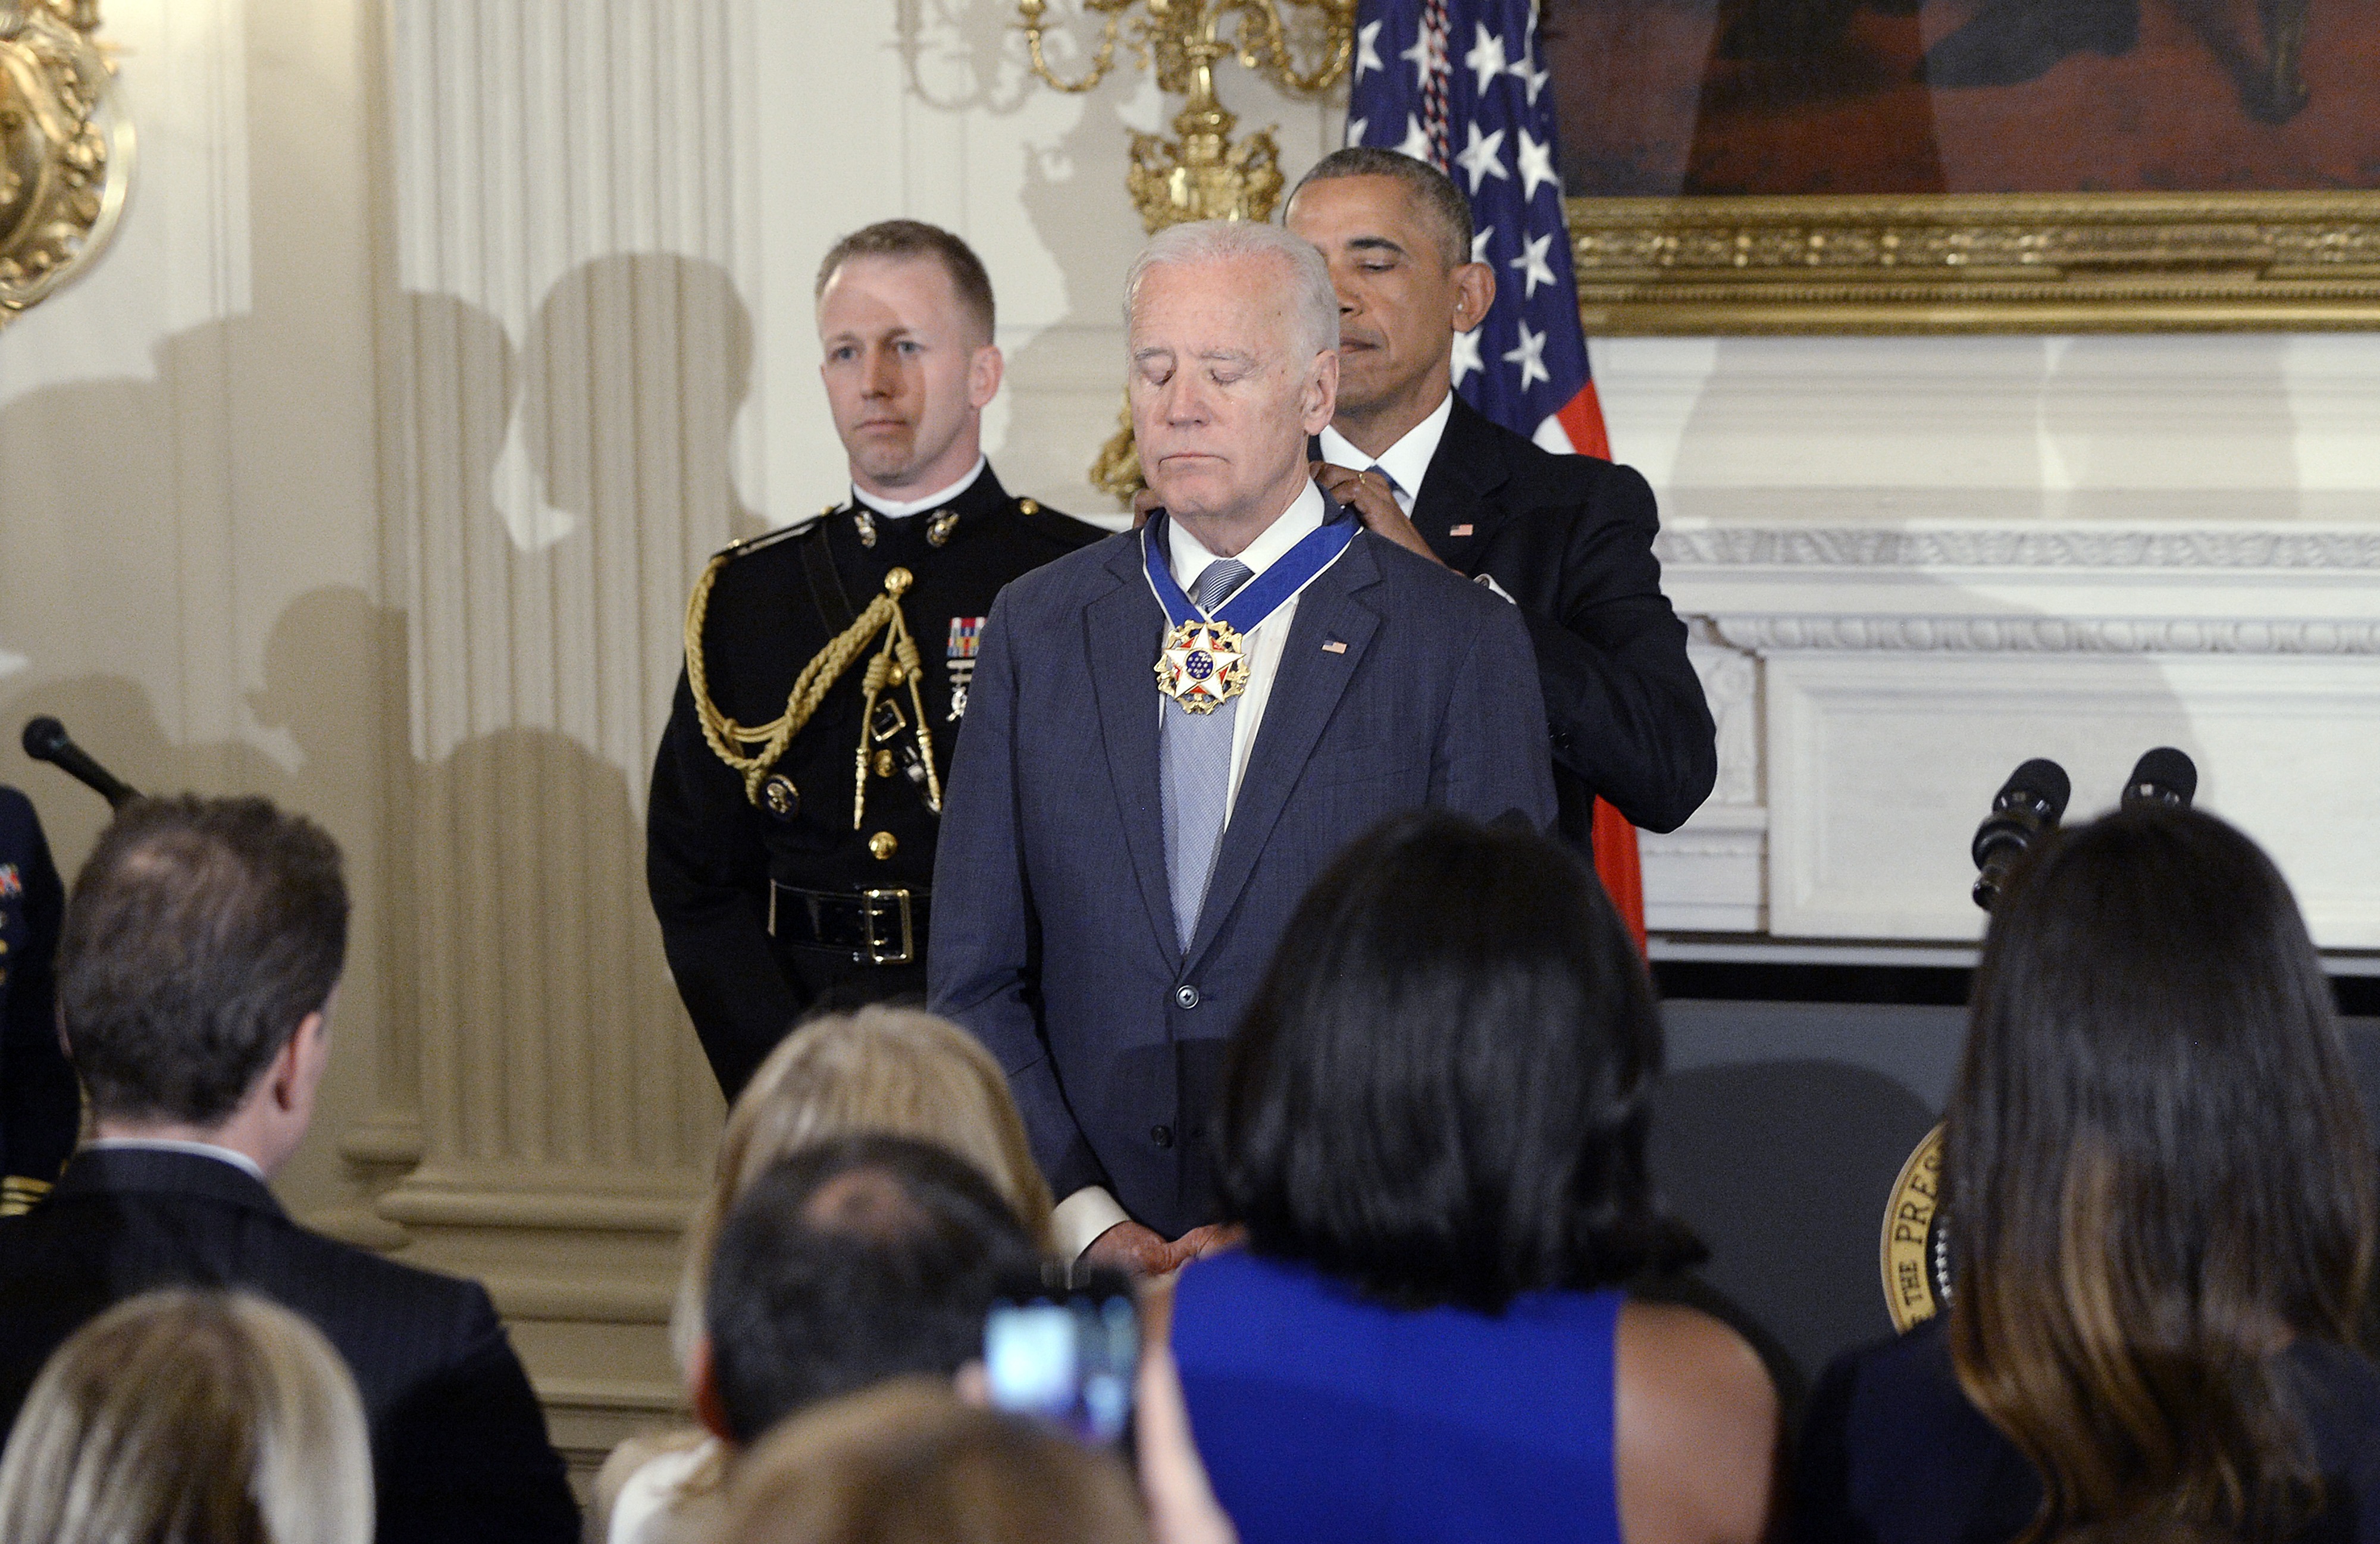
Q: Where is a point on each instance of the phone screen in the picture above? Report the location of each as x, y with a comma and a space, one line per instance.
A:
1071, 1361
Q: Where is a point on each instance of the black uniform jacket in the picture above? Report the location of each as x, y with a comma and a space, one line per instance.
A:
40, 1105
710, 854
459, 1449
1569, 537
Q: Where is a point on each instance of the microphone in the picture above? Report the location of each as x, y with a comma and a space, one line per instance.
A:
2162, 776
45, 740
2028, 804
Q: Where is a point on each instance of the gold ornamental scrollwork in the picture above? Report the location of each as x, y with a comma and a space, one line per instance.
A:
2000, 263
1915, 1249
1200, 174
66, 148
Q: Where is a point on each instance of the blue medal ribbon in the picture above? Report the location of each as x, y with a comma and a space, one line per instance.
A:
1261, 596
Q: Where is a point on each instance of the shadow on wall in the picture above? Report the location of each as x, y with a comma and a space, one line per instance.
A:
1066, 386
522, 875
514, 930
637, 365
974, 41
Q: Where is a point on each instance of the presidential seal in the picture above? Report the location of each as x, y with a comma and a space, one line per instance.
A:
1203, 665
1916, 1246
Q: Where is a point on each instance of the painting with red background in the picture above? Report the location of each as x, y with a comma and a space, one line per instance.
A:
1664, 97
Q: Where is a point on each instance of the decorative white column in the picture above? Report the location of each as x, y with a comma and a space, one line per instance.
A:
566, 347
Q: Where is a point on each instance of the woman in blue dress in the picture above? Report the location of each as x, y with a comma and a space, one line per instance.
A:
1432, 1128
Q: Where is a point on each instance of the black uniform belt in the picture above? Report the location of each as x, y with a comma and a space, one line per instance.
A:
874, 926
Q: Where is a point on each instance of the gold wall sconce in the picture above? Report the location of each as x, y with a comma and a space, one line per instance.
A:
1201, 174
66, 148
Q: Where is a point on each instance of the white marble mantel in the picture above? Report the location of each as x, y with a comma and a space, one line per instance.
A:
1875, 681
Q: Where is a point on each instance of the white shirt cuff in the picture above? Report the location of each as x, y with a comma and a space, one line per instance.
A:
1490, 580
1082, 1217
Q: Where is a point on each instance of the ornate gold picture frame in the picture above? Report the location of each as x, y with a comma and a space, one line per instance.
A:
2002, 263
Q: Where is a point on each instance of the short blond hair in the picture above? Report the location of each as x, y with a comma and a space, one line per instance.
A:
898, 1072
907, 1463
185, 1413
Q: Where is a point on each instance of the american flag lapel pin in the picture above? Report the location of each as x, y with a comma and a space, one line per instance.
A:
1334, 647
1463, 529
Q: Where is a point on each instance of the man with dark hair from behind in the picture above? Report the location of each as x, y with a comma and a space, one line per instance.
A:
849, 1263
196, 967
852, 1262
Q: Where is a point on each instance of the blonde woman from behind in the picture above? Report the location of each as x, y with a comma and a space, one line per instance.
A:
909, 1463
194, 1417
896, 1072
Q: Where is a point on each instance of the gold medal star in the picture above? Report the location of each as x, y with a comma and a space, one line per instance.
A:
1202, 665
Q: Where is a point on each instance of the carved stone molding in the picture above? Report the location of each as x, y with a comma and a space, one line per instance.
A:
1731, 843
2034, 546
1730, 686
2046, 635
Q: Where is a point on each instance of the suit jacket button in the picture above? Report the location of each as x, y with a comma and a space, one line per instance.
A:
1187, 996
1162, 1134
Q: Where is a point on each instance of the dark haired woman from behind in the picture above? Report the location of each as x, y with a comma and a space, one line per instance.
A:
2161, 1207
1433, 1127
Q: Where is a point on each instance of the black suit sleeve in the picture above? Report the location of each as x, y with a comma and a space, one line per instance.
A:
1623, 702
1821, 1500
41, 1103
708, 876
465, 1458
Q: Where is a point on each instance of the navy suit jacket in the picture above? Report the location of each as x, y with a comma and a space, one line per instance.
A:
1571, 539
459, 1449
1054, 937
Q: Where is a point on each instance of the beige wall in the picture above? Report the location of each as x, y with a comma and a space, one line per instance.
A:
445, 338
190, 571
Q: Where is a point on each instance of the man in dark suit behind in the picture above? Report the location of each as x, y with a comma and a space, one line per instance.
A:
1122, 844
1569, 538
40, 1107
195, 975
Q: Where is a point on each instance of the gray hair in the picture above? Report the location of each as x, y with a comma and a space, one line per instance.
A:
1211, 241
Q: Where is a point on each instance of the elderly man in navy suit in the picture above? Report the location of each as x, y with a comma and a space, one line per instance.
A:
1171, 732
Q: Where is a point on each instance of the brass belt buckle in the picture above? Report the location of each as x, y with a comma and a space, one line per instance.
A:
878, 954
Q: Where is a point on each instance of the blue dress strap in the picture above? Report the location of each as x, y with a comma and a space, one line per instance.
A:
1324, 1416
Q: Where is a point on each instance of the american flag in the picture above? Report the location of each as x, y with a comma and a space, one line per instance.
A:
1458, 83
1461, 85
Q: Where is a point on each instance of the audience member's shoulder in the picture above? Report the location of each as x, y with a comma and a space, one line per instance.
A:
2338, 1388
1696, 1425
1900, 1368
1897, 1406
1694, 1359
16, 812
424, 1298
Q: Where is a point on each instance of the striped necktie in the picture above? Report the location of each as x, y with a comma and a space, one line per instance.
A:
1196, 775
